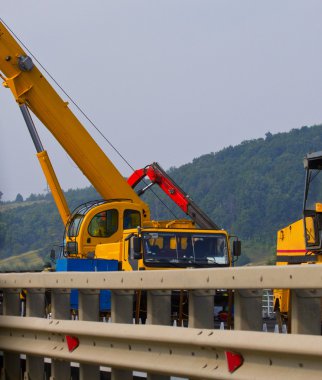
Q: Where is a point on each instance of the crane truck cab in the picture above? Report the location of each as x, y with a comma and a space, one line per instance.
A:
99, 223
301, 241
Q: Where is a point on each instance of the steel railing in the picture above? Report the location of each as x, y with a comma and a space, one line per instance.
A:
199, 351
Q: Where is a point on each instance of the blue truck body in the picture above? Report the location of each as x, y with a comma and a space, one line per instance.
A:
88, 265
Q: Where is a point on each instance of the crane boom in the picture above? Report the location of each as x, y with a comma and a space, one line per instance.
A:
30, 87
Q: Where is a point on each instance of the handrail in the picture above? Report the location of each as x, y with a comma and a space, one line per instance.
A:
172, 351
199, 351
261, 277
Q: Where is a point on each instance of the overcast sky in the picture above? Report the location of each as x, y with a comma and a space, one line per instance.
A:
165, 81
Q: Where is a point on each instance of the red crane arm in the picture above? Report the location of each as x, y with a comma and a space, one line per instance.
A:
157, 175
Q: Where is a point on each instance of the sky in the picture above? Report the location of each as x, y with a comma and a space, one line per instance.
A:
164, 80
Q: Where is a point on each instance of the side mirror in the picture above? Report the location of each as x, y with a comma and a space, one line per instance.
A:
136, 241
236, 248
137, 256
135, 248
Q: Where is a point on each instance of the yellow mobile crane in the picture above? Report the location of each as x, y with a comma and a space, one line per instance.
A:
301, 241
118, 228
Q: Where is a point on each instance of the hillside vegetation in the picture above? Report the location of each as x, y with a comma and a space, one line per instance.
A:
251, 190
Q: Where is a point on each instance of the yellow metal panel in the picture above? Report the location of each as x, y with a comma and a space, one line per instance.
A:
109, 251
290, 240
282, 296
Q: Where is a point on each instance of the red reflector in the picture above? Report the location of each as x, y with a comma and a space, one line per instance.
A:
72, 343
234, 361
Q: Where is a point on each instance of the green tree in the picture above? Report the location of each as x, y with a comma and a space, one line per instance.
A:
19, 198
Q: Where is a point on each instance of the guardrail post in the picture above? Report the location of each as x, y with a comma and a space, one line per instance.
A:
201, 309
35, 307
306, 311
88, 310
248, 310
60, 309
122, 312
159, 307
11, 361
158, 313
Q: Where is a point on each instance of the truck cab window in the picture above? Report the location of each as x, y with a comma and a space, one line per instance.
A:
74, 226
185, 249
131, 219
104, 224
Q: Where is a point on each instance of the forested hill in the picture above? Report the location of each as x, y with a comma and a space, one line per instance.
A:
251, 190
256, 187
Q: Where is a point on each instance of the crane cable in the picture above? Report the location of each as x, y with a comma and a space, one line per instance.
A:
84, 114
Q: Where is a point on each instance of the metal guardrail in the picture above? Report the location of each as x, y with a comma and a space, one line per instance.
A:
197, 352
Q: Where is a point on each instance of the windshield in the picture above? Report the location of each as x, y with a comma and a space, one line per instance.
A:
184, 249
73, 229
313, 189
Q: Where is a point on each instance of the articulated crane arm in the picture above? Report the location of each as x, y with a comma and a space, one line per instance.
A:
158, 176
32, 90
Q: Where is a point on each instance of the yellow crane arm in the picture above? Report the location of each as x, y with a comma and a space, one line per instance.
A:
30, 87
47, 168
55, 188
